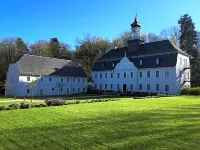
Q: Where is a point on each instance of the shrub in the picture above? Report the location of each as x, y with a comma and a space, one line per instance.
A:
185, 91
40, 105
2, 108
14, 106
26, 106
54, 102
190, 91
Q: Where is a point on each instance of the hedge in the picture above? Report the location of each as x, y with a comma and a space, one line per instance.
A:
190, 91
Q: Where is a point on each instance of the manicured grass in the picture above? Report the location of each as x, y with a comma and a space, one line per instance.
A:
5, 99
157, 123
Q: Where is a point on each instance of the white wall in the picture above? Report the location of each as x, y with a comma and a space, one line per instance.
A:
126, 66
19, 84
162, 80
183, 75
50, 87
12, 79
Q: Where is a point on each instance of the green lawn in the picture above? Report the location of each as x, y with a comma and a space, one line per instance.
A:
160, 123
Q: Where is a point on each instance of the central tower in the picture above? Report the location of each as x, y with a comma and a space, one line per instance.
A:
135, 37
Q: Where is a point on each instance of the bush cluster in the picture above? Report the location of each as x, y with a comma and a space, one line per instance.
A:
51, 102
19, 106
54, 102
190, 91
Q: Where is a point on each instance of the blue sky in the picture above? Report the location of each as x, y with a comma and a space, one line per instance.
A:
35, 20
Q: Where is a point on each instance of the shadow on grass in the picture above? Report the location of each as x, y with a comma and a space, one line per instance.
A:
173, 128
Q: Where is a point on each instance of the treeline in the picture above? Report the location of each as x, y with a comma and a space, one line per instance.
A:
89, 48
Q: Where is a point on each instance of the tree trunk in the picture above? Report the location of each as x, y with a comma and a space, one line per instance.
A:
5, 93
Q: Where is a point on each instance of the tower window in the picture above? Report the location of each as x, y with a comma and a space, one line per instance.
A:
111, 75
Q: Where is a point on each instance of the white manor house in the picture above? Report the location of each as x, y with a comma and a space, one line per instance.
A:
142, 67
48, 73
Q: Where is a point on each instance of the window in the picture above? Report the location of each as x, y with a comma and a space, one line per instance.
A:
111, 75
49, 79
83, 89
140, 74
118, 75
52, 89
157, 74
95, 75
105, 75
113, 64
140, 87
180, 60
28, 78
111, 86
157, 61
105, 86
118, 87
27, 91
61, 89
166, 88
188, 75
78, 90
79, 80
100, 87
131, 74
42, 79
157, 87
140, 62
73, 79
131, 87
83, 80
67, 90
102, 65
67, 79
148, 87
148, 74
100, 75
166, 74
62, 79
73, 89
124, 74
12, 79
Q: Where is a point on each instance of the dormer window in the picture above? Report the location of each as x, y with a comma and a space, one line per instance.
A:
157, 61
141, 62
113, 64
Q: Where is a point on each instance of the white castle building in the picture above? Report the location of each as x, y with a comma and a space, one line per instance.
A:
52, 76
144, 67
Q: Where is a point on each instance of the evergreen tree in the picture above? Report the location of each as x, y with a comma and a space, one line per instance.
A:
189, 44
54, 47
188, 38
21, 46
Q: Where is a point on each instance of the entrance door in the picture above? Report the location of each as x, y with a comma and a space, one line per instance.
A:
124, 88
41, 93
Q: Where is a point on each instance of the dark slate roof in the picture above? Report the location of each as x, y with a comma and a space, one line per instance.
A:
135, 23
147, 52
38, 65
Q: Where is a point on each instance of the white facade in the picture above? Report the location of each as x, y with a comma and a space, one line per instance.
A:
126, 77
46, 85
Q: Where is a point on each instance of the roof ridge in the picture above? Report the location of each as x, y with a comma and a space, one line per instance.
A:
48, 57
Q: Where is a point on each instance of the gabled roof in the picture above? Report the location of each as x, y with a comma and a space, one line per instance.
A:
147, 52
38, 65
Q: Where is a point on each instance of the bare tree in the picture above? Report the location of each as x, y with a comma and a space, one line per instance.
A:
32, 86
